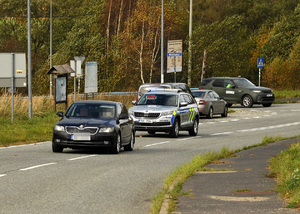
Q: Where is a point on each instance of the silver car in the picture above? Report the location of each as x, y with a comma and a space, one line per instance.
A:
167, 111
210, 103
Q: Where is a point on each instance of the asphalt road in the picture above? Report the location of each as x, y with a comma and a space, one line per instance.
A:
35, 180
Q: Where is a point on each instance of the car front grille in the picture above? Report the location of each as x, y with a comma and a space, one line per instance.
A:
142, 114
75, 129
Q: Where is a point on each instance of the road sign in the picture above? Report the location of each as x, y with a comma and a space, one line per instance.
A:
174, 60
260, 62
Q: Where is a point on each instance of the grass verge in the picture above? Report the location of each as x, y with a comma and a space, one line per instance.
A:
173, 183
286, 168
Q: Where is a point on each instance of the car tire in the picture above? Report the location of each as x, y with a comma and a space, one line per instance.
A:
194, 130
151, 132
267, 104
117, 146
225, 113
210, 113
175, 129
247, 101
130, 146
57, 149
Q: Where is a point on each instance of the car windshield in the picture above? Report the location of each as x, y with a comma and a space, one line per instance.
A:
244, 83
91, 110
199, 94
159, 99
146, 89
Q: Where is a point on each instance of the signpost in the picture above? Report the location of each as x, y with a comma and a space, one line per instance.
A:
174, 60
260, 65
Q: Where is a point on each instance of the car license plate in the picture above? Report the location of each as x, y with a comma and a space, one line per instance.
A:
269, 95
145, 121
81, 137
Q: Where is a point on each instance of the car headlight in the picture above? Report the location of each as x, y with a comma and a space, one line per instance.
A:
106, 129
166, 113
256, 91
131, 112
59, 128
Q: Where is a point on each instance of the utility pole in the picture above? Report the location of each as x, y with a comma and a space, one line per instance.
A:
29, 60
162, 43
51, 84
190, 46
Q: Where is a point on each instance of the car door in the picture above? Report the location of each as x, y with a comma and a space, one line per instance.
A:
184, 110
125, 123
230, 91
218, 103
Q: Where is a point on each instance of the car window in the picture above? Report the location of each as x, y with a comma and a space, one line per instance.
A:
147, 88
205, 82
91, 110
210, 95
215, 94
228, 83
243, 83
158, 99
124, 109
218, 83
198, 94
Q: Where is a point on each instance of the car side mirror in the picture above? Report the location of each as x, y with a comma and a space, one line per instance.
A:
123, 116
60, 114
133, 102
183, 104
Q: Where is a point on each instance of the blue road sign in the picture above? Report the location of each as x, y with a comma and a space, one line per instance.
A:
174, 54
260, 62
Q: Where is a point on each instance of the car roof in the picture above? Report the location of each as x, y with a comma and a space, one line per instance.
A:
225, 78
96, 102
166, 92
200, 90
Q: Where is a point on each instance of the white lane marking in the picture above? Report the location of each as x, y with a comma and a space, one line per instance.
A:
257, 117
223, 133
269, 127
234, 120
224, 121
182, 139
154, 144
82, 157
23, 145
37, 166
2, 175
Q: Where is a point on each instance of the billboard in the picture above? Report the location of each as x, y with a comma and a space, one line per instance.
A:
91, 78
10, 62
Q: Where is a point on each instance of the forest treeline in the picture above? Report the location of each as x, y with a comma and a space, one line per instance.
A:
124, 37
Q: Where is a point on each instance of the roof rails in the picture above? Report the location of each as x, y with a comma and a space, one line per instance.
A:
164, 90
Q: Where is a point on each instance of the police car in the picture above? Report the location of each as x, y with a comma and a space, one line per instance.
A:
166, 110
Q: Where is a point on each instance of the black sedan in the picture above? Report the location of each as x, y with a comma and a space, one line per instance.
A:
94, 124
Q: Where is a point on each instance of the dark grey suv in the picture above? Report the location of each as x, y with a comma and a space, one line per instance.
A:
239, 90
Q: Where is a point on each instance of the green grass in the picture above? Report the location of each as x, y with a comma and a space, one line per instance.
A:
286, 94
286, 168
24, 131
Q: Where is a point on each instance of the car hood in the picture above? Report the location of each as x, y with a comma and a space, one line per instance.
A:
260, 88
152, 108
86, 122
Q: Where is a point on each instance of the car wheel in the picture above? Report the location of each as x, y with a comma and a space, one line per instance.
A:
175, 129
151, 132
267, 104
130, 146
225, 112
194, 130
247, 101
229, 105
210, 113
57, 149
117, 146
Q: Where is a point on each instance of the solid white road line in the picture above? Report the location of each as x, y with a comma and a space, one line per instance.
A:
37, 166
269, 127
154, 144
223, 133
82, 157
2, 175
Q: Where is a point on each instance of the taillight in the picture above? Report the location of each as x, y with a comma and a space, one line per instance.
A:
200, 87
201, 102
137, 99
